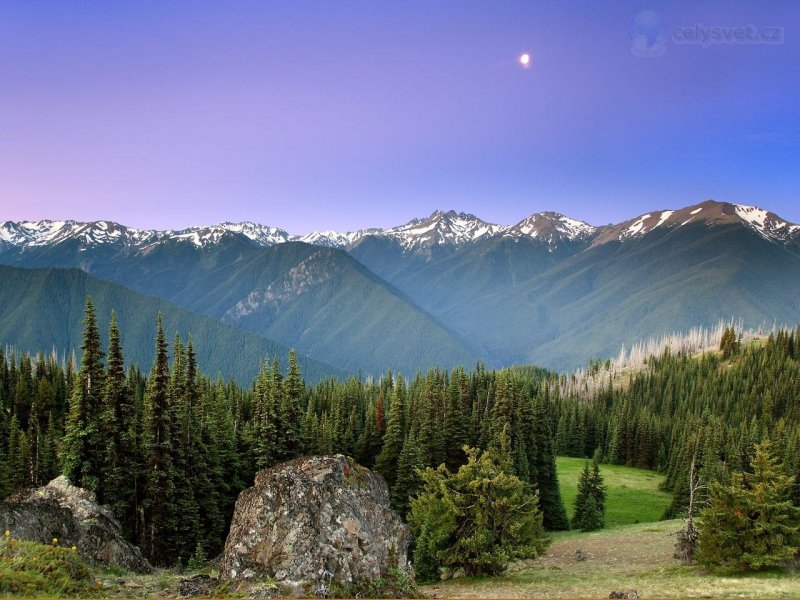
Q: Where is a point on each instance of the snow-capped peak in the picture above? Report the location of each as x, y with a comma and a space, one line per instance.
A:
710, 212
442, 228
261, 235
551, 227
335, 239
439, 229
768, 224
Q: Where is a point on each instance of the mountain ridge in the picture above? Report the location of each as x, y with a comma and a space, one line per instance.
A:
441, 228
450, 288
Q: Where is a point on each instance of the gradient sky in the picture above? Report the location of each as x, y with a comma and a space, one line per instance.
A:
340, 115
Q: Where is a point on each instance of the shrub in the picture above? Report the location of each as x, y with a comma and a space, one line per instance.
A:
476, 520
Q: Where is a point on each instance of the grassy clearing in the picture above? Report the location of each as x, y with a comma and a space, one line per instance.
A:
630, 557
28, 569
633, 494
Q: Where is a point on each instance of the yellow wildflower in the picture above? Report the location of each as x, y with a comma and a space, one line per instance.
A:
55, 540
74, 548
8, 533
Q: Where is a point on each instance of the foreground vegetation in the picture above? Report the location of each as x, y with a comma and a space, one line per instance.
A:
28, 569
636, 557
621, 557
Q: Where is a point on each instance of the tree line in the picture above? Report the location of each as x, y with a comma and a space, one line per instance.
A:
170, 450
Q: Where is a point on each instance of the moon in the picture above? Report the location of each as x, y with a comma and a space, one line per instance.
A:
525, 60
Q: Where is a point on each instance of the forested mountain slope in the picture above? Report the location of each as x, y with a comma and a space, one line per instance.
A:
42, 309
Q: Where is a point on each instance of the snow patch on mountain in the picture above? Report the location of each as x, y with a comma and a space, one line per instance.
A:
551, 228
766, 223
441, 228
335, 239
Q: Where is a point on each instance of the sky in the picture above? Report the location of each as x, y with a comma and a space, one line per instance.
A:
313, 115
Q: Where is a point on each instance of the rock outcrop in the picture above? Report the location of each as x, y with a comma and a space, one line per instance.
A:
315, 519
71, 515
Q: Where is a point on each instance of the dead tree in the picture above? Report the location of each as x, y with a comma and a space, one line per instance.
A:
687, 537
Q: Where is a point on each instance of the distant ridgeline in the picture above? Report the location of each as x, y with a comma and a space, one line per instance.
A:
170, 450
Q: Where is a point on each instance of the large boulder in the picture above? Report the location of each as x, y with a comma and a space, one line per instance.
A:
312, 520
72, 515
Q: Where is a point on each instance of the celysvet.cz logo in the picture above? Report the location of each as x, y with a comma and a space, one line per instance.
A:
649, 34
746, 34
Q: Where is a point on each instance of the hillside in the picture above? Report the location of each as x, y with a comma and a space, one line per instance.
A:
595, 301
42, 309
450, 288
318, 300
329, 305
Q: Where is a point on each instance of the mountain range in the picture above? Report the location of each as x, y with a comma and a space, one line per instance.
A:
443, 290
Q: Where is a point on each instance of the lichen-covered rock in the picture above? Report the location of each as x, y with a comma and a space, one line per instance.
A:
198, 586
315, 519
71, 515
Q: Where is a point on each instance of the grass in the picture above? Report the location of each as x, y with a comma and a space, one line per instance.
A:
627, 557
633, 552
28, 569
633, 494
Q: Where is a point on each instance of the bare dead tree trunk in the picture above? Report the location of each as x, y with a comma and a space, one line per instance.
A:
687, 537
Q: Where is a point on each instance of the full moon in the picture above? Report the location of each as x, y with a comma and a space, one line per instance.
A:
525, 60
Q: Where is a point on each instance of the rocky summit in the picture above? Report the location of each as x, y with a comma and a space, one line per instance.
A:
72, 516
312, 520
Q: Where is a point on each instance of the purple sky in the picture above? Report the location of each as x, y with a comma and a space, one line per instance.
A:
341, 115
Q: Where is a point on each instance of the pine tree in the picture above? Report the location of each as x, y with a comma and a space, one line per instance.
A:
750, 523
430, 431
182, 510
729, 344
455, 425
20, 465
118, 435
544, 469
477, 519
290, 412
387, 461
408, 480
82, 451
590, 502
265, 417
157, 451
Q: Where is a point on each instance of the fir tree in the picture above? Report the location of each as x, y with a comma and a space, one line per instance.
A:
118, 435
409, 480
479, 518
157, 450
386, 463
182, 510
544, 468
82, 452
590, 501
290, 412
750, 523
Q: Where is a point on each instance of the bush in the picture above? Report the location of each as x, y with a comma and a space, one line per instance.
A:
476, 520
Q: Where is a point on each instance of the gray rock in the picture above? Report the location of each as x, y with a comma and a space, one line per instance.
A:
73, 516
629, 594
315, 519
197, 586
